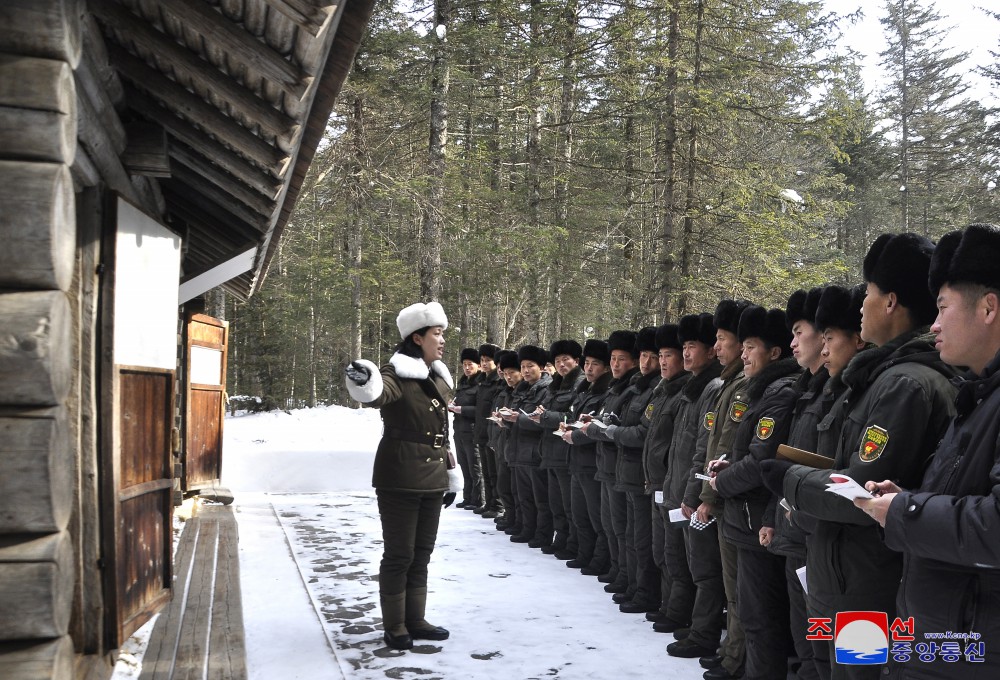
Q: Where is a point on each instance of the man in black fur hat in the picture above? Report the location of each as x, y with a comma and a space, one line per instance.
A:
749, 508
703, 602
490, 384
463, 405
899, 404
510, 368
721, 423
624, 357
592, 552
947, 527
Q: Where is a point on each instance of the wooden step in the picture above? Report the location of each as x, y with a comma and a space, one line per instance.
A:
200, 634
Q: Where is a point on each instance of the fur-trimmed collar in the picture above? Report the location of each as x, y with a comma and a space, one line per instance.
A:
408, 367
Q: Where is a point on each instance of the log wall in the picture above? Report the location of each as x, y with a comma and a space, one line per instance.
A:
40, 46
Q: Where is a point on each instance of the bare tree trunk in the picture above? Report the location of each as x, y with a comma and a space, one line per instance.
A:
433, 212
669, 148
356, 130
687, 247
538, 302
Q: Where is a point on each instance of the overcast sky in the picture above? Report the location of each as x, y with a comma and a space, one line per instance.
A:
969, 29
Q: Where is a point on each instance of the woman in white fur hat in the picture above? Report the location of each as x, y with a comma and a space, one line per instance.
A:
414, 471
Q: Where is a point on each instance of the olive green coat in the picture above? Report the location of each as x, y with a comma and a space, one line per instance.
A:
395, 389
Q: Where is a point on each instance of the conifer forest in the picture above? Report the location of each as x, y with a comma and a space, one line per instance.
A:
554, 169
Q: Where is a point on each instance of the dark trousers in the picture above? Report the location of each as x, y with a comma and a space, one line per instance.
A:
539, 480
614, 518
409, 530
526, 509
659, 517
798, 620
734, 646
591, 541
705, 565
560, 504
488, 458
762, 596
472, 471
681, 596
505, 490
639, 532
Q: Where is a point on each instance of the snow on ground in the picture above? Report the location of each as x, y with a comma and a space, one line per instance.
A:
310, 545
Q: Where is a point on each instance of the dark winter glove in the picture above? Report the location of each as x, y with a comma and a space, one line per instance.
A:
449, 498
772, 473
357, 373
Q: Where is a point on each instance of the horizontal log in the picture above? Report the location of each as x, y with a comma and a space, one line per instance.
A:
32, 135
44, 660
36, 586
36, 488
220, 179
42, 28
33, 83
146, 152
38, 222
35, 349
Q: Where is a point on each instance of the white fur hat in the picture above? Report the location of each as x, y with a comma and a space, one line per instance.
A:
420, 315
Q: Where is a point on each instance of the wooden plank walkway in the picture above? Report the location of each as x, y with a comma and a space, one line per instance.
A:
200, 636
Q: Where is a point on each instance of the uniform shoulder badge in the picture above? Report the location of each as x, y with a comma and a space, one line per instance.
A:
765, 427
737, 410
875, 440
649, 411
709, 420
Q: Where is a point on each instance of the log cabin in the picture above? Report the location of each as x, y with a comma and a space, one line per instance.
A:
150, 150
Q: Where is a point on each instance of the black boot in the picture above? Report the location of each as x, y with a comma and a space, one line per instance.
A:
396, 635
416, 604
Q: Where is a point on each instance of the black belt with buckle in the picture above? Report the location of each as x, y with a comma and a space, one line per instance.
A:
434, 440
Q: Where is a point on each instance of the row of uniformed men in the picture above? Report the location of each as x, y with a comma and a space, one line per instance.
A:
688, 418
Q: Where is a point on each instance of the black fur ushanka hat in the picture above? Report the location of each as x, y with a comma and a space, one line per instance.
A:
488, 350
597, 349
470, 354
667, 338
727, 315
624, 341
768, 325
969, 256
645, 340
507, 359
570, 347
900, 264
840, 307
802, 306
696, 328
533, 353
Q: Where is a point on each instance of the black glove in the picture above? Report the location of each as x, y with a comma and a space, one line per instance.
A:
357, 373
449, 498
772, 473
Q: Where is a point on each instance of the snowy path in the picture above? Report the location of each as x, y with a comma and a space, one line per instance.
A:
309, 562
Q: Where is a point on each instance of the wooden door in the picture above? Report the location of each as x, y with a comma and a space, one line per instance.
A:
207, 350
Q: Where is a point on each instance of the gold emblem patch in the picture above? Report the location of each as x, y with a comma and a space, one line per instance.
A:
874, 443
738, 410
765, 427
649, 412
710, 420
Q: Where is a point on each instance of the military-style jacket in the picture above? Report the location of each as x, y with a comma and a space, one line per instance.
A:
810, 409
947, 531
414, 453
466, 394
558, 403
526, 433
630, 435
660, 420
749, 505
589, 400
898, 406
694, 401
611, 412
489, 386
723, 420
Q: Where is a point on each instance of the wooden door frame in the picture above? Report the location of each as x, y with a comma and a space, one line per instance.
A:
191, 385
